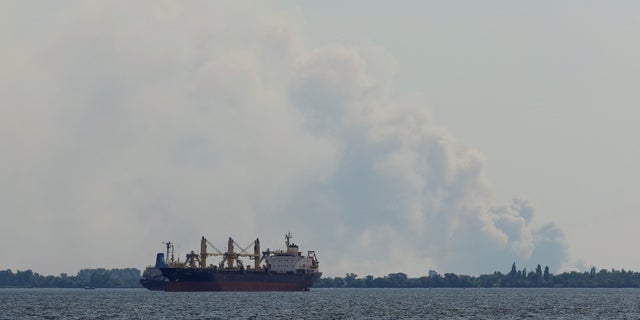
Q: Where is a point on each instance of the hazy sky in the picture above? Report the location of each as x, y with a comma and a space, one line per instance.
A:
388, 136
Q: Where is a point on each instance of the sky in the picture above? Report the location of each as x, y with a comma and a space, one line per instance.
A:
403, 136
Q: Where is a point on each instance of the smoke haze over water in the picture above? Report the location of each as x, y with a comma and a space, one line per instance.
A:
127, 124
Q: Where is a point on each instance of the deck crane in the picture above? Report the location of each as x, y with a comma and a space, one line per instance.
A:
231, 256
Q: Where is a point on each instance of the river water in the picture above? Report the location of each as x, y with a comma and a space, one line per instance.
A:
494, 303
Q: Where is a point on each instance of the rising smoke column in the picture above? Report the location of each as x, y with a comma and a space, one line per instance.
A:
206, 118
404, 187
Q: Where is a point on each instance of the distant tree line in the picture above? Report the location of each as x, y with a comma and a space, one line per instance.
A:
96, 278
539, 278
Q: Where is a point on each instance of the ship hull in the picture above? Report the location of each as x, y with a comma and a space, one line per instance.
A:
195, 279
154, 285
153, 280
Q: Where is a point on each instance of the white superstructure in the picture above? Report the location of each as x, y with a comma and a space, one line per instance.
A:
291, 260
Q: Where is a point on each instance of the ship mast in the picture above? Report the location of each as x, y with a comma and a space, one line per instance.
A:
230, 254
256, 253
168, 260
287, 237
203, 252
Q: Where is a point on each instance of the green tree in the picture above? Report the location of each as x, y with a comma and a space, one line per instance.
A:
545, 276
368, 281
538, 275
351, 280
397, 280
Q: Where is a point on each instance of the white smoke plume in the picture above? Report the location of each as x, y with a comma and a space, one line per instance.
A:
124, 124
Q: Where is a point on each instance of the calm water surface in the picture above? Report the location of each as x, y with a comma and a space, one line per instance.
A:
322, 304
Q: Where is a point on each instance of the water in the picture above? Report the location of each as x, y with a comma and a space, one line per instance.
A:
495, 303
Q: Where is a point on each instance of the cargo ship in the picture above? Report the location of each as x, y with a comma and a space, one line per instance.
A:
277, 270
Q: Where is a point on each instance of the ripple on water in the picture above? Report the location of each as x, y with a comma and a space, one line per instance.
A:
495, 303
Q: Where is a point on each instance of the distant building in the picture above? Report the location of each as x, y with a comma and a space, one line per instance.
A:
433, 273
